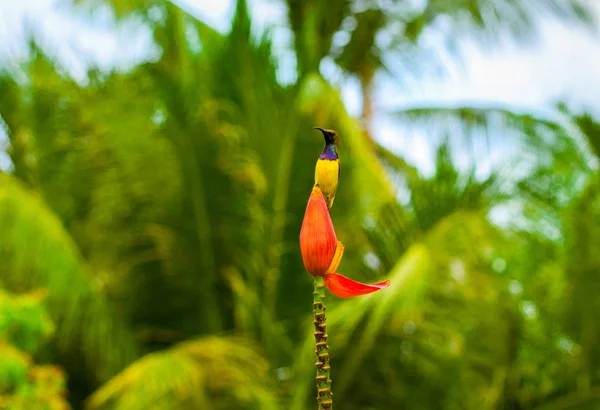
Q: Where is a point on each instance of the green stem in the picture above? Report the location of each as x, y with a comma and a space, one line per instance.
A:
324, 394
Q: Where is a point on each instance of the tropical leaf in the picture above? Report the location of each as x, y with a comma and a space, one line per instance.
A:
402, 316
487, 120
121, 8
478, 21
503, 131
38, 253
516, 17
314, 24
207, 373
589, 128
184, 181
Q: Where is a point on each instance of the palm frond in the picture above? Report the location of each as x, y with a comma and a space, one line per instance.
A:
213, 372
471, 118
405, 315
314, 23
483, 22
121, 8
518, 18
489, 128
590, 129
36, 252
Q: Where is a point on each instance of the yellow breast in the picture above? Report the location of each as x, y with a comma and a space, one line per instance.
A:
326, 176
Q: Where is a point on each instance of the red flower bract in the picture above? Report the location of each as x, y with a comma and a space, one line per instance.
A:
317, 236
346, 288
322, 252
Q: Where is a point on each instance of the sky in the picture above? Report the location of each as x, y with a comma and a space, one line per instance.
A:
562, 65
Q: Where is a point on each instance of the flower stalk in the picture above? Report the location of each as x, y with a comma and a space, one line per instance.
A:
324, 394
321, 255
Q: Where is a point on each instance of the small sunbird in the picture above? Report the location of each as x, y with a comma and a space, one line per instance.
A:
327, 171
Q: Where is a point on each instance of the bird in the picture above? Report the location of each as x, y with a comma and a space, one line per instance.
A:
327, 170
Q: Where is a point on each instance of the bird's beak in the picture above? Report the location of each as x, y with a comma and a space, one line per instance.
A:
321, 129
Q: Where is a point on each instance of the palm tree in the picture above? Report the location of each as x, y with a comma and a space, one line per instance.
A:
167, 209
386, 36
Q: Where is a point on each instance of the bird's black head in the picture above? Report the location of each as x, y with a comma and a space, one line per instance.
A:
331, 136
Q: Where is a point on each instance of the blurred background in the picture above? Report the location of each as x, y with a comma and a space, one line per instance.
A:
156, 159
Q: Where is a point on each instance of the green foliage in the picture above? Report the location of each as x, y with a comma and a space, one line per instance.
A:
159, 210
427, 342
24, 327
24, 321
207, 373
37, 252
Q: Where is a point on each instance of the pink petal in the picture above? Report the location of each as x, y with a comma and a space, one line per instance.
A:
346, 288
